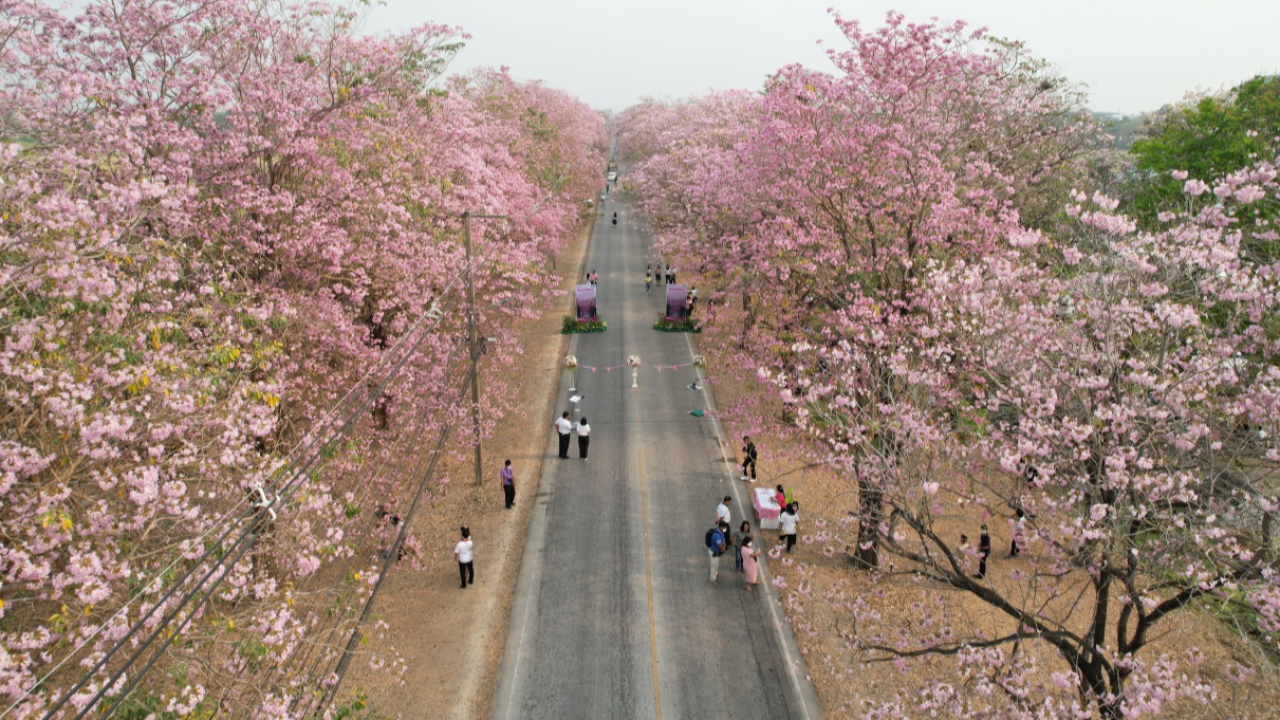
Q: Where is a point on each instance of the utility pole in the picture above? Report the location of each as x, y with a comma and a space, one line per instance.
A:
473, 339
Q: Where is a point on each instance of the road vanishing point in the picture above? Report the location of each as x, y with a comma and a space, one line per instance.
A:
614, 615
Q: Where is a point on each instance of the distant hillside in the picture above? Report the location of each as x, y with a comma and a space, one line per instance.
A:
1123, 127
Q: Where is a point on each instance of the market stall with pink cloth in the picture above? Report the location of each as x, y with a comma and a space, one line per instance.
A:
766, 507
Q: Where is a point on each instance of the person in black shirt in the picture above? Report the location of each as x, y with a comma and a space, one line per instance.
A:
984, 549
749, 457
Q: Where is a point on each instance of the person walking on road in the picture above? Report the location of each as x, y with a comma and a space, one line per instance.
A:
593, 278
584, 438
748, 457
716, 547
508, 483
722, 511
788, 520
564, 426
750, 564
648, 280
984, 550
462, 551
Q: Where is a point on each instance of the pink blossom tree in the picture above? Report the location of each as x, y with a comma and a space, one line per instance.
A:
218, 218
825, 205
962, 352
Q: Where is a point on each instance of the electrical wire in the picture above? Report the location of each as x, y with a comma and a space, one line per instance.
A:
286, 488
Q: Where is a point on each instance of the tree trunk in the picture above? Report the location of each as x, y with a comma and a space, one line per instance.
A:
871, 512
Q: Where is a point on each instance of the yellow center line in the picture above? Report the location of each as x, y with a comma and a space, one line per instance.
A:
648, 577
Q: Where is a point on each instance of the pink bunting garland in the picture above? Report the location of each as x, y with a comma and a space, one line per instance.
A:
660, 368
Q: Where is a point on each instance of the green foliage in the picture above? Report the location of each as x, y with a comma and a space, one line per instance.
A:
357, 707
569, 325
1210, 139
683, 326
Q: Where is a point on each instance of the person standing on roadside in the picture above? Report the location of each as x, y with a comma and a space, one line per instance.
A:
508, 483
722, 511
750, 564
716, 548
1019, 526
984, 550
584, 438
564, 426
749, 458
788, 520
744, 531
462, 551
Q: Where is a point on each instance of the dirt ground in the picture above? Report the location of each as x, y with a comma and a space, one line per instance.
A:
450, 639
817, 578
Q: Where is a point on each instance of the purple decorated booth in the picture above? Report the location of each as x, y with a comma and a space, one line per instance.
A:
585, 302
677, 310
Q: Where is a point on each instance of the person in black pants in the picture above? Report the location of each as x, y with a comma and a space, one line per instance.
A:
463, 552
1019, 522
584, 438
508, 477
984, 549
564, 426
749, 457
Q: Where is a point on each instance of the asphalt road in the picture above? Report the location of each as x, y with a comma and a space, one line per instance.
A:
614, 615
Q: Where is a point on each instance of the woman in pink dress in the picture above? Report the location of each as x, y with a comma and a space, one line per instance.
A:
750, 568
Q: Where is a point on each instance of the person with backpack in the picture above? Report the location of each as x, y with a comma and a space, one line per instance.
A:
716, 547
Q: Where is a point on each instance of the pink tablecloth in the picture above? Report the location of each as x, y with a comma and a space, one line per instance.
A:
766, 508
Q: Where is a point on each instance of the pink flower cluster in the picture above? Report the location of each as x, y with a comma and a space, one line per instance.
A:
219, 218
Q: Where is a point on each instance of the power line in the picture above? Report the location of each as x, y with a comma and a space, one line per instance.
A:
287, 485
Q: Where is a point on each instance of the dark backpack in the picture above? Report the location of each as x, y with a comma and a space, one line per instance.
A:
715, 539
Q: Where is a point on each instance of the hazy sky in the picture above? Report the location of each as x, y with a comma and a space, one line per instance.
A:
1134, 55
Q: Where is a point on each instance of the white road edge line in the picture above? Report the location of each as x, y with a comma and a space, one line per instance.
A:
535, 533
795, 662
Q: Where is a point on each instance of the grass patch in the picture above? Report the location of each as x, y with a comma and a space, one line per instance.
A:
570, 325
665, 325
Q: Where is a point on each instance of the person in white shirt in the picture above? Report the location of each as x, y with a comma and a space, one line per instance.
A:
584, 438
564, 426
788, 520
463, 552
722, 511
